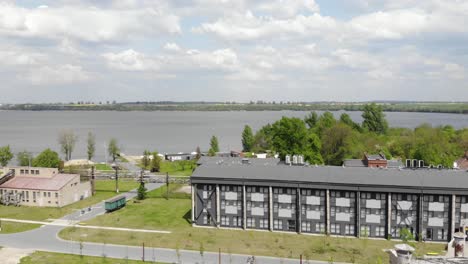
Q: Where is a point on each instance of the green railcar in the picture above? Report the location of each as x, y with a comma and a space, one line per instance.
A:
115, 203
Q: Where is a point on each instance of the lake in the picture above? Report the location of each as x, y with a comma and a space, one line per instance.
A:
163, 131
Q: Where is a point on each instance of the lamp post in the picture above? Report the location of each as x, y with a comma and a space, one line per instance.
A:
116, 168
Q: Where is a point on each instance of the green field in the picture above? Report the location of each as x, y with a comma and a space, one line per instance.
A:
176, 168
12, 227
174, 215
104, 190
41, 257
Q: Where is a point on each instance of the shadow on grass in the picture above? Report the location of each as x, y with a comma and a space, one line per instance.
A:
188, 216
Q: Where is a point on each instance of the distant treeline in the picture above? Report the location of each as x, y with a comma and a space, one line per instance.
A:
437, 107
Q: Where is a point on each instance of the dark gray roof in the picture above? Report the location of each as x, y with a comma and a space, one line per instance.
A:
354, 163
333, 175
237, 160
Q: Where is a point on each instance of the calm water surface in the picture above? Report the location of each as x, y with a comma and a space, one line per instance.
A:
163, 131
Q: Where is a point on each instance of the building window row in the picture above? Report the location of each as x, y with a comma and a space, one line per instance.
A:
375, 196
320, 193
231, 188
284, 191
436, 198
256, 189
342, 194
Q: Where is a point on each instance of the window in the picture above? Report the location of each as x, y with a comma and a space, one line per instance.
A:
380, 231
223, 204
335, 229
349, 229
205, 219
277, 224
224, 221
250, 222
264, 223
208, 204
365, 230
320, 227
306, 226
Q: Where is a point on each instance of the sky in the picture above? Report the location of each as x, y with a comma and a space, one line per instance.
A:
233, 50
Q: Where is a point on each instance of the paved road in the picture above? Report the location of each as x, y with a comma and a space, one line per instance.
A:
46, 239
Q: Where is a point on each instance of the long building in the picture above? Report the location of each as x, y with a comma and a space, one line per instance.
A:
33, 186
267, 194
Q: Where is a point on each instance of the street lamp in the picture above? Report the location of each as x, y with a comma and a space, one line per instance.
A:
116, 168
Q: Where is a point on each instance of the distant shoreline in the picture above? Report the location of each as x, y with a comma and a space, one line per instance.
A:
422, 107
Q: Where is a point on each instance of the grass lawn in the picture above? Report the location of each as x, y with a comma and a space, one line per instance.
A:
104, 190
178, 168
174, 215
175, 168
103, 167
41, 257
12, 227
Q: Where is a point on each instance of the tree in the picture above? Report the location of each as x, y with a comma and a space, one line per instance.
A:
48, 159
198, 151
113, 149
155, 165
145, 161
290, 136
337, 144
67, 140
346, 119
325, 121
214, 146
311, 119
247, 139
141, 195
24, 158
5, 155
91, 145
262, 139
374, 119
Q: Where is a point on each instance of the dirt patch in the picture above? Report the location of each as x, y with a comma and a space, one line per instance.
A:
185, 189
14, 255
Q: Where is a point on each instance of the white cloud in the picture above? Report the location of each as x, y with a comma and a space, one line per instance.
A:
130, 60
250, 27
172, 47
85, 23
62, 74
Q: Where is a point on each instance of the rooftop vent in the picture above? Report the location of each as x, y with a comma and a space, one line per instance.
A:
288, 159
294, 160
300, 160
408, 163
245, 161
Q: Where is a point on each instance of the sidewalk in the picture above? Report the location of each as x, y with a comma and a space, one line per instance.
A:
68, 223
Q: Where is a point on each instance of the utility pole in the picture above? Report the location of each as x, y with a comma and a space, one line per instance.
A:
93, 183
116, 168
167, 185
143, 258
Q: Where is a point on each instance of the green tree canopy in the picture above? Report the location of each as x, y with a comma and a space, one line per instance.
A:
113, 149
337, 143
311, 119
214, 145
346, 119
325, 121
247, 139
145, 161
290, 136
155, 165
262, 139
434, 147
24, 158
48, 159
67, 140
5, 155
374, 119
91, 145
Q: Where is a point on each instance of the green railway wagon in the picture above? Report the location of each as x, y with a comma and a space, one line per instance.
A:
115, 203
